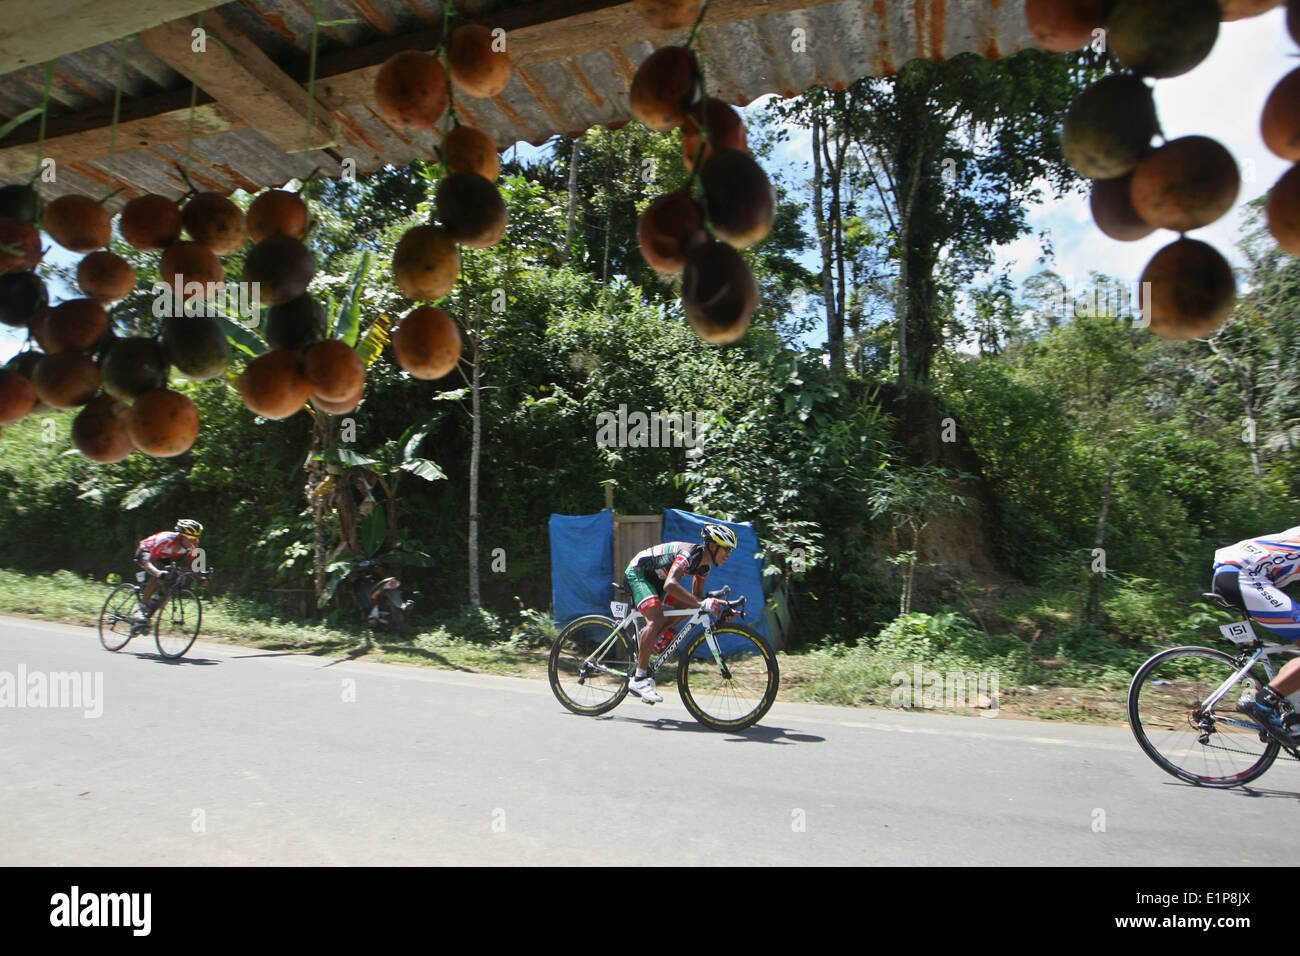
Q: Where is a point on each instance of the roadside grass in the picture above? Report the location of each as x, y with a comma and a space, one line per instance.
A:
877, 672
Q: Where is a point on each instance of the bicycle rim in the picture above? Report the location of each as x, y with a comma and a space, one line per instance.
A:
1211, 747
115, 619
178, 624
737, 698
585, 684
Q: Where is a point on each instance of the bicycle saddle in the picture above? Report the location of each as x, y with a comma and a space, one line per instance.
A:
1209, 597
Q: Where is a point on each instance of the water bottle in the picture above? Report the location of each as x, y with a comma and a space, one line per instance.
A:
665, 639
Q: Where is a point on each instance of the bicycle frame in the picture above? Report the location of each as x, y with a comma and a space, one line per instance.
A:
1260, 655
695, 617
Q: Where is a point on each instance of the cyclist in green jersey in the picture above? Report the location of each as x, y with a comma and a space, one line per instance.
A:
656, 576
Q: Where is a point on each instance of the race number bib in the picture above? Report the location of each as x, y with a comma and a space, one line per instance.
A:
1239, 633
618, 609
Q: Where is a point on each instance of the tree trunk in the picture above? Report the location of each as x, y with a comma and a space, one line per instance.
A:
1093, 611
823, 234
573, 199
475, 598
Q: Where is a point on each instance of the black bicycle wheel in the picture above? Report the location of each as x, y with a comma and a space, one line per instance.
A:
586, 682
736, 694
115, 621
177, 624
1212, 746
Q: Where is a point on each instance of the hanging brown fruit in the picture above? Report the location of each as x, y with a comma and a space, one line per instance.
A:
277, 212
726, 130
22, 296
1109, 126
105, 276
132, 366
664, 88
78, 223
469, 150
196, 345
1279, 124
411, 90
282, 267
335, 370
66, 380
163, 424
1240, 9
718, 292
24, 363
426, 263
296, 324
20, 246
77, 325
214, 221
275, 385
1162, 39
471, 210
20, 202
1187, 183
150, 222
1293, 20
17, 396
1064, 25
738, 197
340, 408
1283, 211
478, 61
99, 431
186, 263
1111, 203
427, 343
1191, 290
669, 14
670, 227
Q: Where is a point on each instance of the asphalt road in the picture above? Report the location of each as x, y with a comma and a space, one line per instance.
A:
239, 756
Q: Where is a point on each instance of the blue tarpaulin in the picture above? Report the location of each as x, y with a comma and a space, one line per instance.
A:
582, 564
743, 570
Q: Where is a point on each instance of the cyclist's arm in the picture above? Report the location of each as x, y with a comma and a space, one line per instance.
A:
673, 586
147, 560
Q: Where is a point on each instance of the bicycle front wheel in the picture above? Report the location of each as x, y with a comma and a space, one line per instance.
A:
590, 664
1198, 740
735, 693
115, 619
177, 624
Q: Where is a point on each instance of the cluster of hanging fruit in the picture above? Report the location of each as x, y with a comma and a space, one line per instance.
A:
1181, 185
412, 90
728, 203
1280, 128
121, 383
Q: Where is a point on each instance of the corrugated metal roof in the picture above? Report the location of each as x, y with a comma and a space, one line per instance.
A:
829, 44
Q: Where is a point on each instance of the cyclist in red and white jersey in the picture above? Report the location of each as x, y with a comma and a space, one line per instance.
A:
160, 548
1250, 574
656, 576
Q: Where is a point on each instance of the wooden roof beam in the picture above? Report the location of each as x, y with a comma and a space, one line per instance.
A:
243, 80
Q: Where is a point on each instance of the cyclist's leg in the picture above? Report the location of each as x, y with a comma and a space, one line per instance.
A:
150, 582
649, 602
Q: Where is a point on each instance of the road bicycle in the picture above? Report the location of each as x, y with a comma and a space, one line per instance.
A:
1182, 707
726, 673
176, 615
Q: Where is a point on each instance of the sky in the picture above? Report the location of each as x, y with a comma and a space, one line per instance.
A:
1222, 98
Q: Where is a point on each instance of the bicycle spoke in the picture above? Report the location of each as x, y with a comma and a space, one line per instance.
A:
737, 693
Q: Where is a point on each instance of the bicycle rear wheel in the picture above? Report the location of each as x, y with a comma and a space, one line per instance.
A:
115, 619
1212, 746
177, 624
736, 694
586, 682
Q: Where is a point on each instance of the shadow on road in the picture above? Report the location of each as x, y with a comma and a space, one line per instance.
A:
159, 659
1246, 790
759, 734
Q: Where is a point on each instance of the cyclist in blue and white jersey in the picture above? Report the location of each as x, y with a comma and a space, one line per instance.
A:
1251, 574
